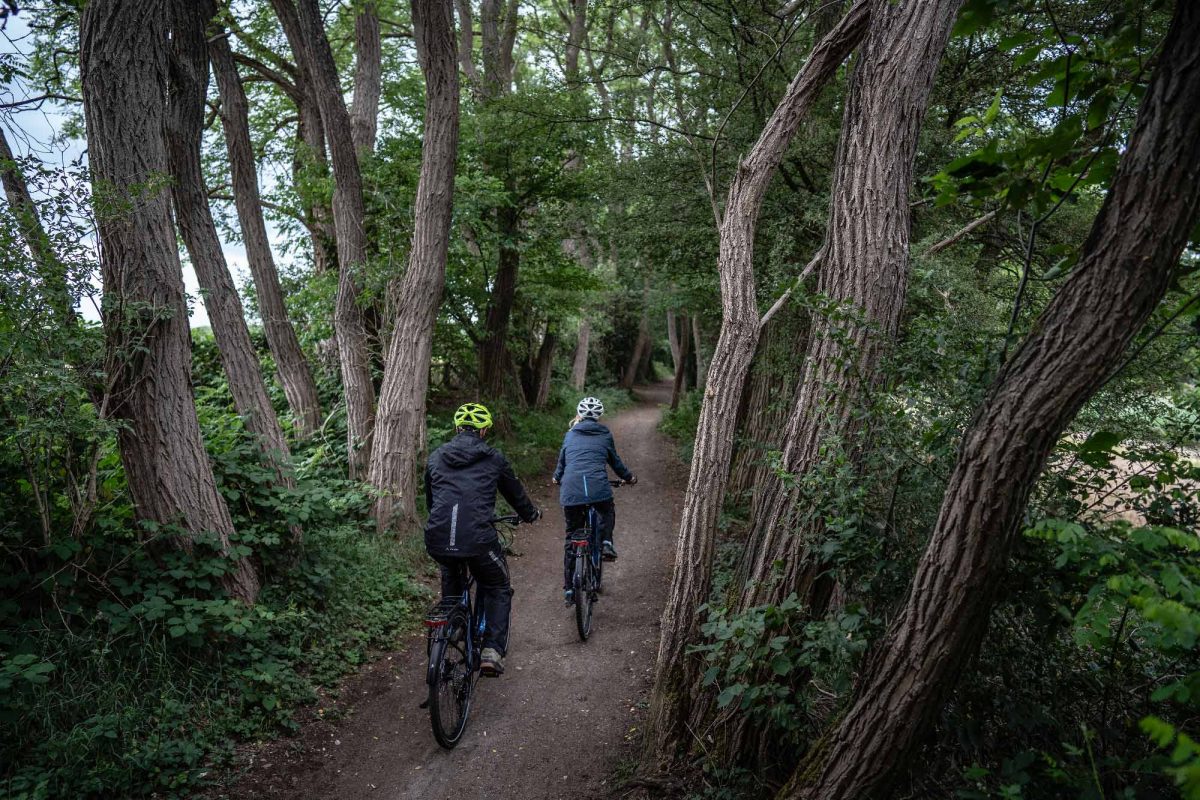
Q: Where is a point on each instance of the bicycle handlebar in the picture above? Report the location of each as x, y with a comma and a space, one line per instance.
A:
510, 519
614, 484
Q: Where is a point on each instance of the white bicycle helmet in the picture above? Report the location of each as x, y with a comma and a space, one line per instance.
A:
590, 408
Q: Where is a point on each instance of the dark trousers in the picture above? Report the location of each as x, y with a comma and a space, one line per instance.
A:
494, 589
577, 517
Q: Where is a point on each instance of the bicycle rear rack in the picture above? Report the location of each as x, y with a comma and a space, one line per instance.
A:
439, 613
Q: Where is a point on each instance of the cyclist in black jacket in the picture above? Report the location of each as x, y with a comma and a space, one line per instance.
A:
461, 481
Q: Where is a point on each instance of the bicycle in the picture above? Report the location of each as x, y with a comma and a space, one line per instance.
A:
588, 570
454, 637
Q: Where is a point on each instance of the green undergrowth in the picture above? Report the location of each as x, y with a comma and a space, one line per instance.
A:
125, 671
680, 424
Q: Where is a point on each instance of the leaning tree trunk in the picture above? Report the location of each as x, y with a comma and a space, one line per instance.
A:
310, 146
679, 384
400, 429
864, 271
188, 88
675, 673
368, 74
348, 221
1123, 272
51, 272
123, 54
290, 363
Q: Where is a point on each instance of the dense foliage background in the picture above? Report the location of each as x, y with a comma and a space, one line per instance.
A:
125, 669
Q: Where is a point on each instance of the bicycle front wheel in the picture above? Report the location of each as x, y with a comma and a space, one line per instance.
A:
583, 596
451, 683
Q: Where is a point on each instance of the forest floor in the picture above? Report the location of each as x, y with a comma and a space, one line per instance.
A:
565, 718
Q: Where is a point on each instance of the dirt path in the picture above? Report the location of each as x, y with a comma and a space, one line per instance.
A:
558, 723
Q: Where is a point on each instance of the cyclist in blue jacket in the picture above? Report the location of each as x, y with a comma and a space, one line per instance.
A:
588, 450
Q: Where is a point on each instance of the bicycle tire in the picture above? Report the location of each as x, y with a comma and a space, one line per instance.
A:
583, 597
451, 685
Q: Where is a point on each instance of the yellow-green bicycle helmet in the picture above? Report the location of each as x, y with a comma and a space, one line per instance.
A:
473, 415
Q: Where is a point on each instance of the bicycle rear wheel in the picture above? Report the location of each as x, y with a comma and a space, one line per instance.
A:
583, 595
451, 683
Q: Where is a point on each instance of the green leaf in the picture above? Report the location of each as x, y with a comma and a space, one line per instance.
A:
729, 694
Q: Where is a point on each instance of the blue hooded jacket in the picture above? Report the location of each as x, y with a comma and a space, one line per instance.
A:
587, 452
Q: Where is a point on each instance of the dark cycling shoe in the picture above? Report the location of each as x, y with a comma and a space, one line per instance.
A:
491, 663
610, 552
569, 596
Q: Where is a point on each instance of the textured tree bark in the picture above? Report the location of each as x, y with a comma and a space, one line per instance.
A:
348, 219
400, 428
1123, 273
679, 384
187, 90
767, 400
864, 270
368, 75
691, 577
290, 363
50, 270
124, 52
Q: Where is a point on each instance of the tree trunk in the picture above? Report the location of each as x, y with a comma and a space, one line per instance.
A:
348, 220
400, 429
698, 349
673, 339
498, 26
290, 363
579, 363
188, 88
691, 577
543, 369
124, 52
310, 150
368, 74
641, 345
864, 270
1123, 273
768, 398
493, 349
679, 385
51, 272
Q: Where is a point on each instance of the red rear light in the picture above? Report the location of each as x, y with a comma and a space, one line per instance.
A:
435, 623
580, 543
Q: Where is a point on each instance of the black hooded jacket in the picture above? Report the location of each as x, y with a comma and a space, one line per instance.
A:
461, 480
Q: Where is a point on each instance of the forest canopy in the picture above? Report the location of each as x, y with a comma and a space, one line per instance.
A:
923, 277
